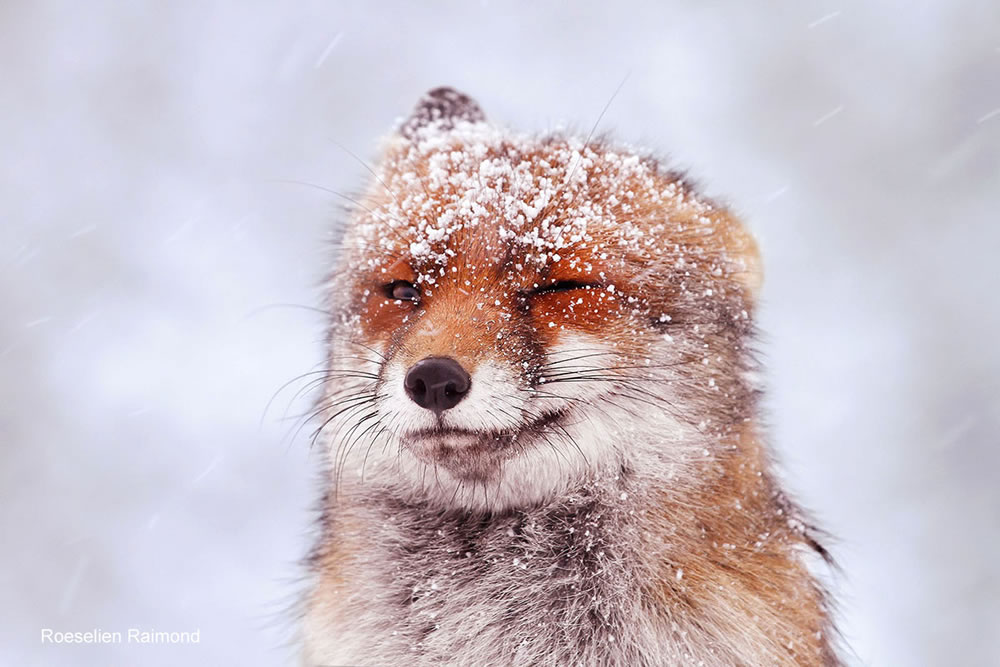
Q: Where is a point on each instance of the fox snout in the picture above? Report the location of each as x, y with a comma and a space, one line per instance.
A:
437, 383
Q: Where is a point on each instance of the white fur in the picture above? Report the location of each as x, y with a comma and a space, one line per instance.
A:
591, 438
562, 545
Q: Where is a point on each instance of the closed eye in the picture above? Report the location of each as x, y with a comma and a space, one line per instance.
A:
564, 286
402, 290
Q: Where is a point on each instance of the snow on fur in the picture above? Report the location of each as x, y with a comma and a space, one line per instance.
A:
602, 494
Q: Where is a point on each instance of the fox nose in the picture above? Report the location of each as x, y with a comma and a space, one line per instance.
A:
437, 383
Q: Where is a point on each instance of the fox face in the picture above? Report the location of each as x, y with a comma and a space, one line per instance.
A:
516, 314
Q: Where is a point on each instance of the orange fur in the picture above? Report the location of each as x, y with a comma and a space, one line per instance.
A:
663, 280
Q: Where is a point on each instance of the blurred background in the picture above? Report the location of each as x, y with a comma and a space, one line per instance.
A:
157, 271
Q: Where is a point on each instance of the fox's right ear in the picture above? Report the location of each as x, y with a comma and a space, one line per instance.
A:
443, 107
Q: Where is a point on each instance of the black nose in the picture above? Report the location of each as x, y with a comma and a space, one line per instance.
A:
437, 383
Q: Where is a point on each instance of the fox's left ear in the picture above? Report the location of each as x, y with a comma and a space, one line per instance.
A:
751, 273
442, 106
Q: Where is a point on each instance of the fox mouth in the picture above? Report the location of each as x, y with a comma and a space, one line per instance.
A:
477, 454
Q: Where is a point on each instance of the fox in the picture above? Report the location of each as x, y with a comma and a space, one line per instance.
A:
540, 418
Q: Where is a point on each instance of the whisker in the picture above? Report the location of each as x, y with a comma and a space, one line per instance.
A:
370, 171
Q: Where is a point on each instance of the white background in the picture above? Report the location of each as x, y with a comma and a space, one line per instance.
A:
145, 238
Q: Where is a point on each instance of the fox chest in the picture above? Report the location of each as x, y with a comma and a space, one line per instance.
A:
517, 593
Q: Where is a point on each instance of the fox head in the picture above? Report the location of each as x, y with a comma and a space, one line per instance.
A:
515, 314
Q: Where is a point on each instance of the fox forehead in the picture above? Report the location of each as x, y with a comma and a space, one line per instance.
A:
497, 204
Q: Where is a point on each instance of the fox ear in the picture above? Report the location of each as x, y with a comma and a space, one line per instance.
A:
742, 247
753, 276
443, 107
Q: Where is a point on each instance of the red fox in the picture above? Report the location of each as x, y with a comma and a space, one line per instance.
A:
540, 416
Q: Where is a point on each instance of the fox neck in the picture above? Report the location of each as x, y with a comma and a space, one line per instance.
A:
618, 561
562, 575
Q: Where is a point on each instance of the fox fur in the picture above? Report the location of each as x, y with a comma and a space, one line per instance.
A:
603, 494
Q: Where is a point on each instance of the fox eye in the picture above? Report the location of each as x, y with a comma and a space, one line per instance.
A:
402, 291
564, 286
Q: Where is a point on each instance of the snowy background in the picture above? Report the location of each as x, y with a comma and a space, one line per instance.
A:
147, 238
